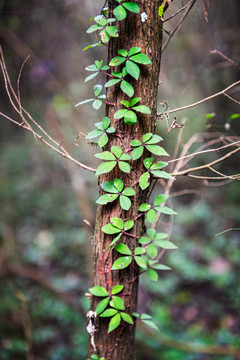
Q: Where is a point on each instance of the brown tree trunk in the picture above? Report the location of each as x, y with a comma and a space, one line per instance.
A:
119, 344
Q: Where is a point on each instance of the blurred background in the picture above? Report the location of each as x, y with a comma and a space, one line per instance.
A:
45, 265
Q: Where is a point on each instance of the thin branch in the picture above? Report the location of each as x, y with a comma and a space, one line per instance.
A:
176, 13
179, 24
231, 98
222, 92
235, 63
25, 124
187, 171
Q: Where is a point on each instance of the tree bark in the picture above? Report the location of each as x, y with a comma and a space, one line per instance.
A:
119, 344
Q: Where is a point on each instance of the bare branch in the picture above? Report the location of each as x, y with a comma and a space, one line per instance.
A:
176, 13
215, 51
15, 101
222, 92
179, 24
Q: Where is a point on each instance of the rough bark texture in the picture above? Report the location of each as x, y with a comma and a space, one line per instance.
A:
119, 344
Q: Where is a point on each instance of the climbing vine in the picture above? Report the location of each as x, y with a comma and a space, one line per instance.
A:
145, 256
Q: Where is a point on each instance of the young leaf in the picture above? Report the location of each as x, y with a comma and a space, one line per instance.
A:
102, 305
125, 167
114, 322
125, 202
132, 7
109, 312
97, 89
132, 69
119, 12
98, 291
117, 289
127, 88
117, 303
141, 59
122, 263
105, 168
123, 249
126, 318
97, 104
152, 274
144, 181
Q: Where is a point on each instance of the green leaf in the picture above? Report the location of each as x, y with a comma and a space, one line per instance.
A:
160, 199
123, 249
105, 155
146, 137
137, 152
93, 28
160, 10
140, 261
127, 88
107, 198
118, 60
134, 101
142, 109
103, 140
98, 291
127, 318
139, 251
90, 77
100, 20
122, 263
125, 103
141, 59
133, 51
92, 46
110, 229
117, 151
145, 316
154, 139
112, 82
128, 192
162, 174
109, 312
108, 186
125, 157
93, 134
122, 52
128, 224
132, 69
152, 251
166, 244
136, 315
94, 357
120, 12
114, 322
125, 202
112, 31
234, 116
159, 165
120, 114
102, 305
97, 89
104, 36
144, 240
161, 267
135, 143
161, 236
157, 150
117, 222
166, 210
210, 116
118, 303
118, 184
148, 162
114, 241
152, 274
105, 168
152, 216
110, 130
125, 167
130, 117
144, 207
97, 104
150, 324
144, 181
98, 64
91, 68
132, 7
83, 102
117, 289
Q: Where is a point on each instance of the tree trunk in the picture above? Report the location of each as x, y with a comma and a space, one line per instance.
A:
119, 344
